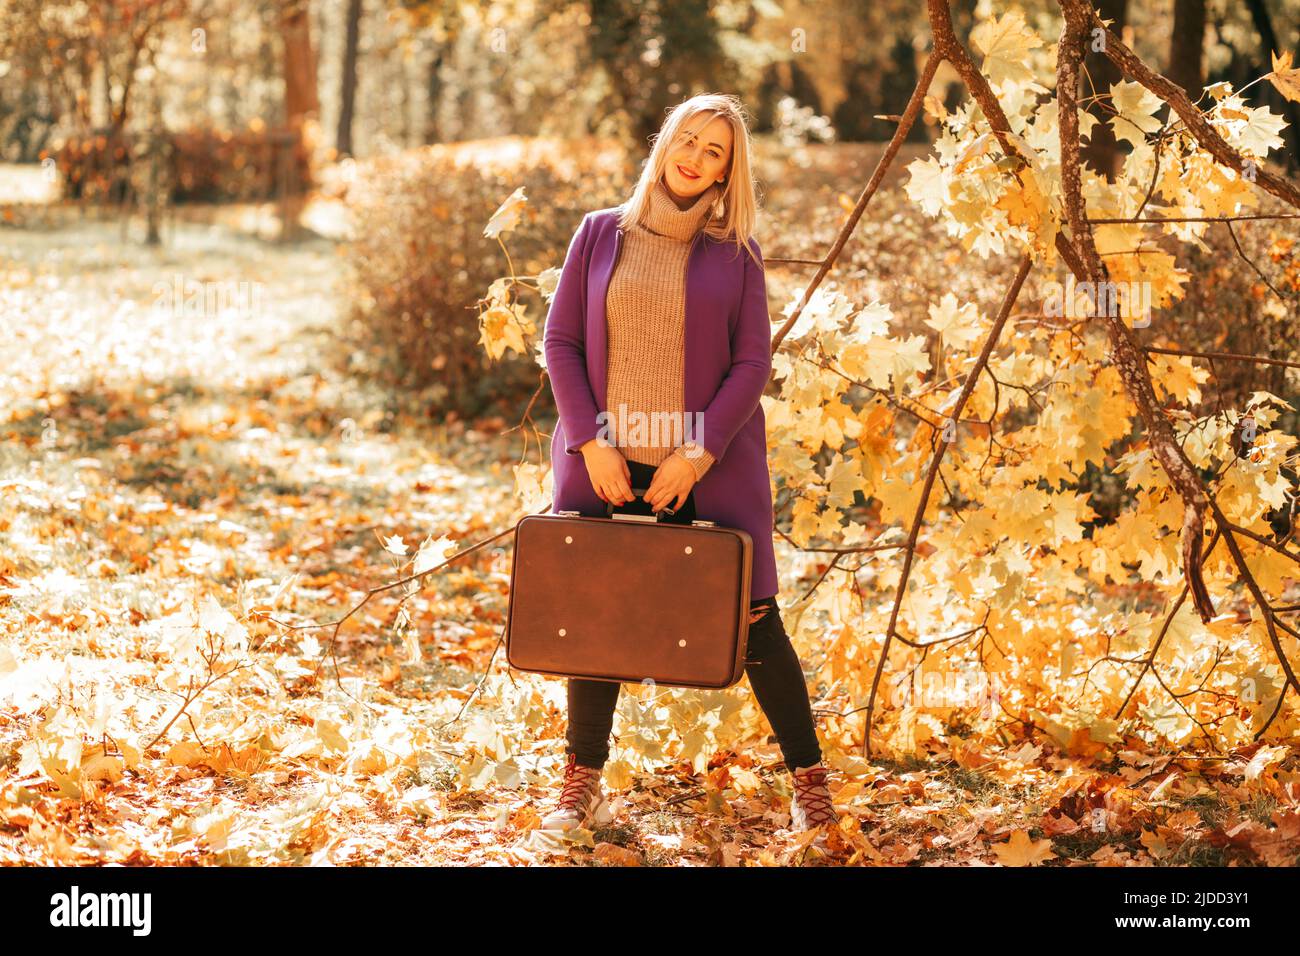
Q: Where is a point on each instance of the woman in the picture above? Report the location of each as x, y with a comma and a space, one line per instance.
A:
661, 310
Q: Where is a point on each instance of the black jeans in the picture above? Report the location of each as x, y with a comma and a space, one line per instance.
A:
771, 665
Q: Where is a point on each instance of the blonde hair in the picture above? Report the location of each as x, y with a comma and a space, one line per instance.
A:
736, 218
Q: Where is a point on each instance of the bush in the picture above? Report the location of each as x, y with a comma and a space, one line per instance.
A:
257, 163
419, 262
203, 165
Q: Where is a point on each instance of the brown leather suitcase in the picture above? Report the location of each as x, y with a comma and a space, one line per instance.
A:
628, 597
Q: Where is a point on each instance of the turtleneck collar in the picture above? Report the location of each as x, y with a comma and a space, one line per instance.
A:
663, 217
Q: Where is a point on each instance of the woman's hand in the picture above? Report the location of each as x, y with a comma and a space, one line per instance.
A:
610, 476
673, 480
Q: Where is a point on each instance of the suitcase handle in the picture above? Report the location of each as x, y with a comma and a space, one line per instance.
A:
636, 493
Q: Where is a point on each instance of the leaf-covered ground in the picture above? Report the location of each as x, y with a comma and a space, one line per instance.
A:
169, 483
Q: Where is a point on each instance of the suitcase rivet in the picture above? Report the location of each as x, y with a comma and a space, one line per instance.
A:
681, 643
688, 549
563, 632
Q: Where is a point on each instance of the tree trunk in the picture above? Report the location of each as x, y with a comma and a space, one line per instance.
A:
404, 102
300, 97
301, 103
1102, 154
348, 91
433, 125
1264, 26
1187, 46
156, 143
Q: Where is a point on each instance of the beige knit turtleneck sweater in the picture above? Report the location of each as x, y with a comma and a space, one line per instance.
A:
645, 312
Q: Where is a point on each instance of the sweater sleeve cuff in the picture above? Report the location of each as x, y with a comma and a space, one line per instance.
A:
573, 443
697, 456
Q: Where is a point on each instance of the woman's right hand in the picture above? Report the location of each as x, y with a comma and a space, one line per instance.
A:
610, 476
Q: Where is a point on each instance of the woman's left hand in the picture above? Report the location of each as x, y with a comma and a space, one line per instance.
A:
672, 480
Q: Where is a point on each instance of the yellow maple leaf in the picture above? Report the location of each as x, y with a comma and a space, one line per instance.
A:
1022, 851
1285, 78
106, 767
979, 146
928, 186
1135, 107
504, 327
1260, 131
958, 324
1005, 42
1130, 258
1030, 207
805, 521
898, 499
434, 552
843, 478
1155, 843
1252, 130
909, 359
507, 215
1179, 377
530, 487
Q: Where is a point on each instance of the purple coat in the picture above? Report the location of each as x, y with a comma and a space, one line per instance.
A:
728, 364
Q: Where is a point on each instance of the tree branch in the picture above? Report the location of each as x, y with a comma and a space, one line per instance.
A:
1086, 19
896, 141
1129, 359
918, 518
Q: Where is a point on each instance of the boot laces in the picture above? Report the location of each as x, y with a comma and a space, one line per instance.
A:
579, 785
813, 797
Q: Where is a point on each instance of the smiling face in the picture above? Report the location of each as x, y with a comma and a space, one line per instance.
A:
699, 158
